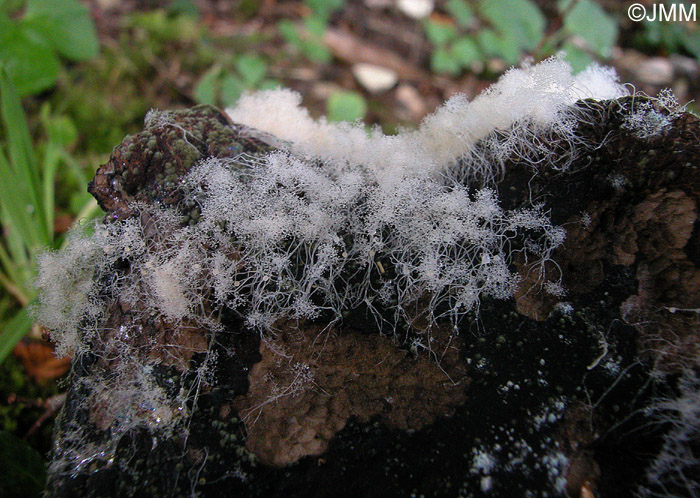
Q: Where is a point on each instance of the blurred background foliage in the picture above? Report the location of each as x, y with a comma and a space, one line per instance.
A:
77, 76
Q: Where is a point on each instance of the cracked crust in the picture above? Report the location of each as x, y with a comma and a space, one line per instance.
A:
310, 382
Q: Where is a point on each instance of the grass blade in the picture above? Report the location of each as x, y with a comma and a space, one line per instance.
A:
18, 138
52, 158
26, 187
19, 211
13, 331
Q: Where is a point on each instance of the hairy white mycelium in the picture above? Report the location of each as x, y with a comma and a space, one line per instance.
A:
338, 217
335, 219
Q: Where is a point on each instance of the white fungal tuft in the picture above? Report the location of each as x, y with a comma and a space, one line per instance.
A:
336, 220
539, 96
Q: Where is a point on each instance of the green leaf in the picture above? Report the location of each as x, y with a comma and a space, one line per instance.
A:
269, 84
590, 22
509, 48
652, 32
249, 8
60, 129
346, 106
160, 27
253, 69
66, 25
499, 45
183, 7
316, 26
12, 332
28, 58
439, 34
78, 201
488, 41
311, 45
579, 59
672, 35
316, 51
231, 88
289, 32
443, 62
521, 21
324, 8
207, 88
461, 12
691, 42
466, 51
22, 470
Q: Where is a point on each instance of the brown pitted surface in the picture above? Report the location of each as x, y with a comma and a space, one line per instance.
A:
652, 235
652, 232
631, 202
311, 381
667, 305
637, 208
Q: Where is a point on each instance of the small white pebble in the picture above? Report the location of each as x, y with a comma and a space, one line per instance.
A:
417, 9
376, 79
